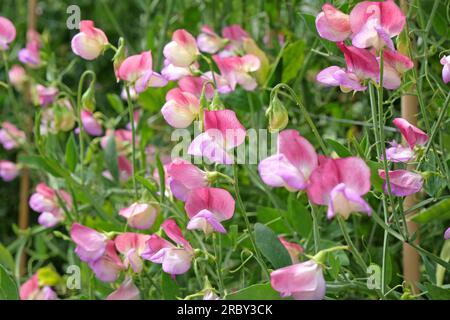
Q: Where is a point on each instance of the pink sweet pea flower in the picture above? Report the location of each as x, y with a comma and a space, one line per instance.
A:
236, 70
174, 73
223, 132
174, 259
140, 215
361, 65
30, 54
137, 71
10, 136
395, 64
8, 170
333, 24
399, 153
46, 95
445, 61
339, 184
222, 83
45, 201
403, 182
126, 291
17, 76
302, 281
181, 108
292, 248
208, 41
132, 245
90, 42
413, 135
236, 35
90, 123
293, 163
447, 234
7, 33
91, 245
183, 177
207, 208
108, 267
182, 51
194, 85
31, 290
374, 24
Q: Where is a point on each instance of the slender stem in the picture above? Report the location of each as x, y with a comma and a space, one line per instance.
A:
316, 233
217, 260
247, 222
353, 249
133, 139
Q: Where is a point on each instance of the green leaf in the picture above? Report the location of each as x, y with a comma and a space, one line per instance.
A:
293, 57
266, 215
375, 179
8, 287
271, 247
299, 217
111, 158
438, 211
255, 292
438, 293
341, 150
6, 258
169, 287
40, 163
115, 102
161, 174
147, 184
71, 153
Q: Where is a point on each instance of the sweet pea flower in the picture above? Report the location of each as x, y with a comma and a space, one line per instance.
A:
30, 54
17, 76
126, 291
137, 71
8, 170
182, 51
333, 24
413, 135
374, 24
91, 245
10, 136
302, 281
223, 132
90, 42
292, 248
183, 177
361, 65
194, 85
445, 61
403, 182
395, 64
31, 290
108, 266
132, 245
447, 234
236, 36
236, 70
207, 208
210, 295
399, 153
293, 163
140, 215
174, 73
222, 84
46, 95
181, 108
46, 201
90, 123
208, 41
340, 184
174, 259
7, 33
123, 139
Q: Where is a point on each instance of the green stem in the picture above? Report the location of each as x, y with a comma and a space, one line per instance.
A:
217, 260
353, 249
316, 233
133, 139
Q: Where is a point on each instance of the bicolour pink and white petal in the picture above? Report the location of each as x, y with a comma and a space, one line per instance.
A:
181, 108
7, 33
343, 201
302, 281
185, 177
210, 145
227, 123
182, 51
194, 85
90, 42
361, 62
108, 267
208, 41
402, 182
126, 291
140, 215
333, 24
413, 135
132, 245
91, 244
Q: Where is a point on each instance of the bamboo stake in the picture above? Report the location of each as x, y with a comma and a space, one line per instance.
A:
411, 258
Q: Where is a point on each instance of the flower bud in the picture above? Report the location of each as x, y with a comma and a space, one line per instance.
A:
278, 115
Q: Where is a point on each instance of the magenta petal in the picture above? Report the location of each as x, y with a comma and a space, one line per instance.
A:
126, 291
412, 134
173, 231
206, 221
277, 171
228, 124
402, 182
216, 200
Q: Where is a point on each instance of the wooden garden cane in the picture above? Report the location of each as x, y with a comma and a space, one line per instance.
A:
24, 212
411, 258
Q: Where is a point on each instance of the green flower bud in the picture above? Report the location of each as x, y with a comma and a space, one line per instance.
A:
278, 115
